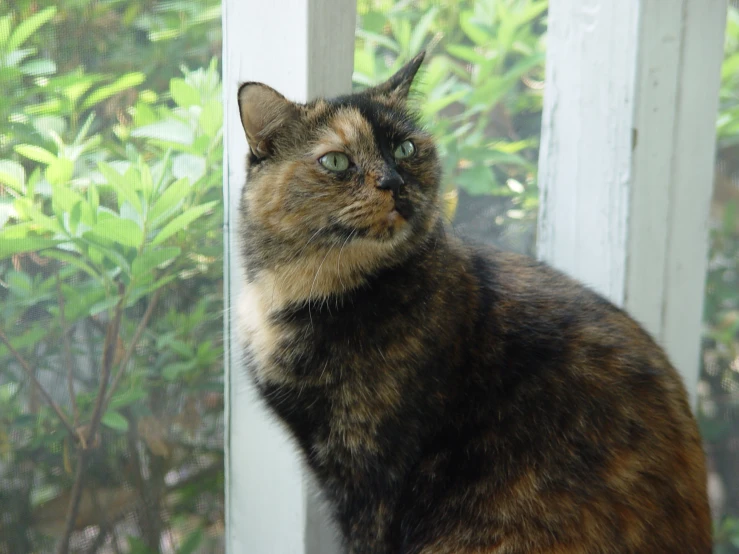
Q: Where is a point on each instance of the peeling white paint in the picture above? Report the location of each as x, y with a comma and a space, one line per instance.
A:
626, 165
303, 48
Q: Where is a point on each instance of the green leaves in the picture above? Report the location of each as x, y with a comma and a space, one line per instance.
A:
174, 371
124, 82
181, 221
59, 171
13, 175
169, 201
170, 130
26, 28
123, 185
10, 246
477, 180
35, 153
37, 68
130, 232
100, 217
211, 118
189, 166
192, 542
477, 34
150, 259
126, 398
115, 421
122, 231
183, 94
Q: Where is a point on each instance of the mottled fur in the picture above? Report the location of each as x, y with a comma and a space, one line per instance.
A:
449, 398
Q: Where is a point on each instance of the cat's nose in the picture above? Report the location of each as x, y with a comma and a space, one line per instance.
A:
391, 181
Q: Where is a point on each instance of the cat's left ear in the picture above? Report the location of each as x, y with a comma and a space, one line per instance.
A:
398, 86
264, 112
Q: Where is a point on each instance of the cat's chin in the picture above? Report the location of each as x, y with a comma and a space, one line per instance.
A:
396, 221
390, 227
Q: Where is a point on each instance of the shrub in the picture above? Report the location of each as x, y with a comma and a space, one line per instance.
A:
111, 301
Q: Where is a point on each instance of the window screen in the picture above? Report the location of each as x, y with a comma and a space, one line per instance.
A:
718, 388
111, 393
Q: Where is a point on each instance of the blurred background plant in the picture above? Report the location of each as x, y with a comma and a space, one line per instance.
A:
719, 386
111, 352
111, 246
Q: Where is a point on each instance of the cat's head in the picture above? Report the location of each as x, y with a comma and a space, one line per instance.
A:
356, 172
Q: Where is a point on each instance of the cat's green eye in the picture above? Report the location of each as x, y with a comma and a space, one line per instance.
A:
334, 161
404, 150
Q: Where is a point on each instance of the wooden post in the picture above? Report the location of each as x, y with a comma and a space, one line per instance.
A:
303, 48
626, 166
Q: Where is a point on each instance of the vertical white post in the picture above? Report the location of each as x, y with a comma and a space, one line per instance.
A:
303, 48
626, 165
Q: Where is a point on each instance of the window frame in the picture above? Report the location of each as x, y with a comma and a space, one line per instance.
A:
623, 146
291, 46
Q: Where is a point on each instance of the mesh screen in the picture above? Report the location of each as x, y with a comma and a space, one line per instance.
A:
718, 388
111, 389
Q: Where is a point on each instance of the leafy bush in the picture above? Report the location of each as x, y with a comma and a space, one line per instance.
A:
111, 303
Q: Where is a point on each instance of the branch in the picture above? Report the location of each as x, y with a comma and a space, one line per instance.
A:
29, 371
111, 341
132, 347
108, 525
67, 352
148, 523
109, 346
74, 502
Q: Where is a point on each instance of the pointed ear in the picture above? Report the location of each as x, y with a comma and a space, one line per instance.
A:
263, 111
398, 86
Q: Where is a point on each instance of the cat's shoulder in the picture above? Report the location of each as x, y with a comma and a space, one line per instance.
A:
523, 276
523, 293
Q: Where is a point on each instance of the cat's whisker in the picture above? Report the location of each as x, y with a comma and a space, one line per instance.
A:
313, 284
301, 388
314, 235
351, 207
323, 371
338, 261
286, 276
382, 355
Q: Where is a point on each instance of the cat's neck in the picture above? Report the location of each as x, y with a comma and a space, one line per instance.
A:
318, 276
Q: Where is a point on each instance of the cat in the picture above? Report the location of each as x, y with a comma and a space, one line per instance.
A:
448, 398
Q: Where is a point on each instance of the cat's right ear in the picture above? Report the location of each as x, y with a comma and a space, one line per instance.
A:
263, 111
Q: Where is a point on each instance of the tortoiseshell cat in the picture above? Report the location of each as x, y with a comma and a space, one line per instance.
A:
449, 398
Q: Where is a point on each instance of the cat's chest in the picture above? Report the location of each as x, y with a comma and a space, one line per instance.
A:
259, 334
325, 373
310, 345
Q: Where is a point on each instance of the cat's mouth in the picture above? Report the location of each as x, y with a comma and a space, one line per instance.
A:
403, 208
393, 222
382, 221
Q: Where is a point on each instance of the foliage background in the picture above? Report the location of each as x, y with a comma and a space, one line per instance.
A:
111, 246
111, 277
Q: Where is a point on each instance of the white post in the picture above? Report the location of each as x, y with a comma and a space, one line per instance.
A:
626, 165
303, 48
